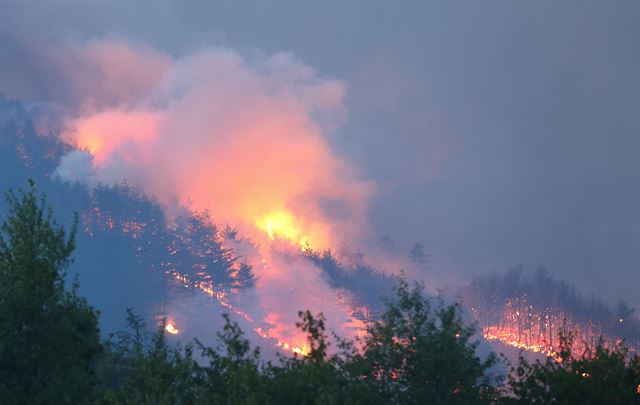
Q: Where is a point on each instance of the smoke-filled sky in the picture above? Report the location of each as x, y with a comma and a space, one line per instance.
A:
494, 133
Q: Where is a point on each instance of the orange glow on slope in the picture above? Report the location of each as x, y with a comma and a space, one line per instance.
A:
509, 336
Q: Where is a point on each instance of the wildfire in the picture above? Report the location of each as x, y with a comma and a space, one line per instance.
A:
221, 297
275, 326
510, 337
519, 325
283, 225
170, 328
240, 140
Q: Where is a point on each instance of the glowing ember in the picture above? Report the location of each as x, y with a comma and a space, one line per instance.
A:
171, 329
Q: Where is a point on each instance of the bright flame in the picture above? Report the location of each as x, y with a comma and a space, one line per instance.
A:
282, 225
171, 329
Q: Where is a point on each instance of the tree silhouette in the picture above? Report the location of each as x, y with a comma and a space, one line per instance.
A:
419, 256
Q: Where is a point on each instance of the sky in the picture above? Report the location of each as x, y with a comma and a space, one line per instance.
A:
495, 133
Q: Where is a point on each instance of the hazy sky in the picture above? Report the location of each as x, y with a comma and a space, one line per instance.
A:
498, 133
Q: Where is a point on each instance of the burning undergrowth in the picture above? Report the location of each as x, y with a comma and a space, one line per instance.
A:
530, 312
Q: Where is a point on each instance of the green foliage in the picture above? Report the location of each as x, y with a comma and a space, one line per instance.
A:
419, 354
316, 378
49, 337
233, 373
414, 354
137, 369
600, 375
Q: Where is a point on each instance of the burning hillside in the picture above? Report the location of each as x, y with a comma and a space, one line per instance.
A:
215, 139
218, 138
265, 273
245, 140
530, 314
191, 252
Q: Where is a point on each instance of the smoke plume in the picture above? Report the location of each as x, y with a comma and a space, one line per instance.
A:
243, 138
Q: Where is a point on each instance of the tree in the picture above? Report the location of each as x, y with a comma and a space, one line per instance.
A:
245, 278
420, 354
314, 378
230, 233
198, 250
49, 336
419, 256
233, 375
138, 371
417, 353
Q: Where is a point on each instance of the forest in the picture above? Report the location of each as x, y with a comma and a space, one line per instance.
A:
319, 203
420, 350
416, 348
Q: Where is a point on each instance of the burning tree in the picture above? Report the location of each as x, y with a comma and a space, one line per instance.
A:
531, 313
